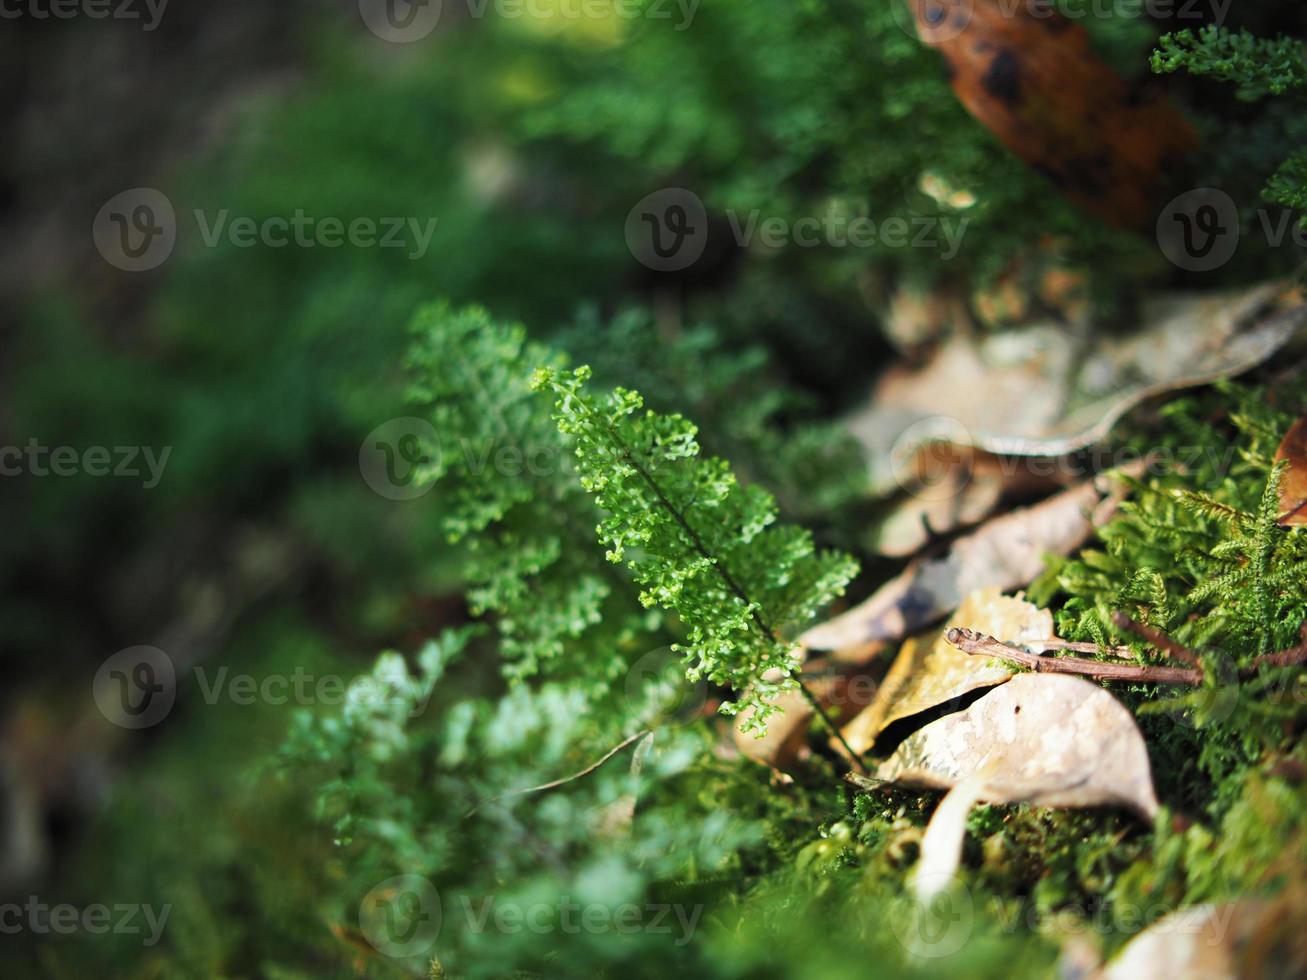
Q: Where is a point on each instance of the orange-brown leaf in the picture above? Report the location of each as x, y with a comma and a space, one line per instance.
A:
1293, 487
1029, 75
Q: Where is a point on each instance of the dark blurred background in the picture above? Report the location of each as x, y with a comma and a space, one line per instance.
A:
259, 370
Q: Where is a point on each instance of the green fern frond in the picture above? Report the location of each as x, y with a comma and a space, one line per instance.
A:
696, 541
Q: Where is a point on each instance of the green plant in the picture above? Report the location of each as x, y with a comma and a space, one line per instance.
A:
702, 545
1259, 68
1201, 557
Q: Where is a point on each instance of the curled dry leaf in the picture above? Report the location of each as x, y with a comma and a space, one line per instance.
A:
1006, 553
956, 487
1050, 389
929, 671
1044, 739
1293, 488
1030, 76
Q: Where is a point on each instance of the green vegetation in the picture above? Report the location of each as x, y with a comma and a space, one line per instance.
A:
1258, 68
518, 652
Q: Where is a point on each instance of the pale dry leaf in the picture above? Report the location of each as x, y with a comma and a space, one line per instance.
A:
1006, 553
1050, 740
929, 671
1198, 943
973, 486
941, 844
1052, 388
1047, 739
1293, 488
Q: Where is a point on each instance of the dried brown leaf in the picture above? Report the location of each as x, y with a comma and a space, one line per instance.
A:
1050, 740
1006, 553
929, 671
1049, 389
1047, 739
1293, 488
956, 487
1032, 78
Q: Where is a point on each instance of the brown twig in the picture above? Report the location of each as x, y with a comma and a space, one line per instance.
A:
1285, 658
1053, 643
554, 784
978, 644
1156, 637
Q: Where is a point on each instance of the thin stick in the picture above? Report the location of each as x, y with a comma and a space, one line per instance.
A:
834, 728
978, 644
1053, 643
1285, 658
566, 779
1156, 637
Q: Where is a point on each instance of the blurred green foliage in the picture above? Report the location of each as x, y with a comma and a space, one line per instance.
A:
264, 368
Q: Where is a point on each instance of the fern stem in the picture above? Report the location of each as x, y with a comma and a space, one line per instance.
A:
754, 615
